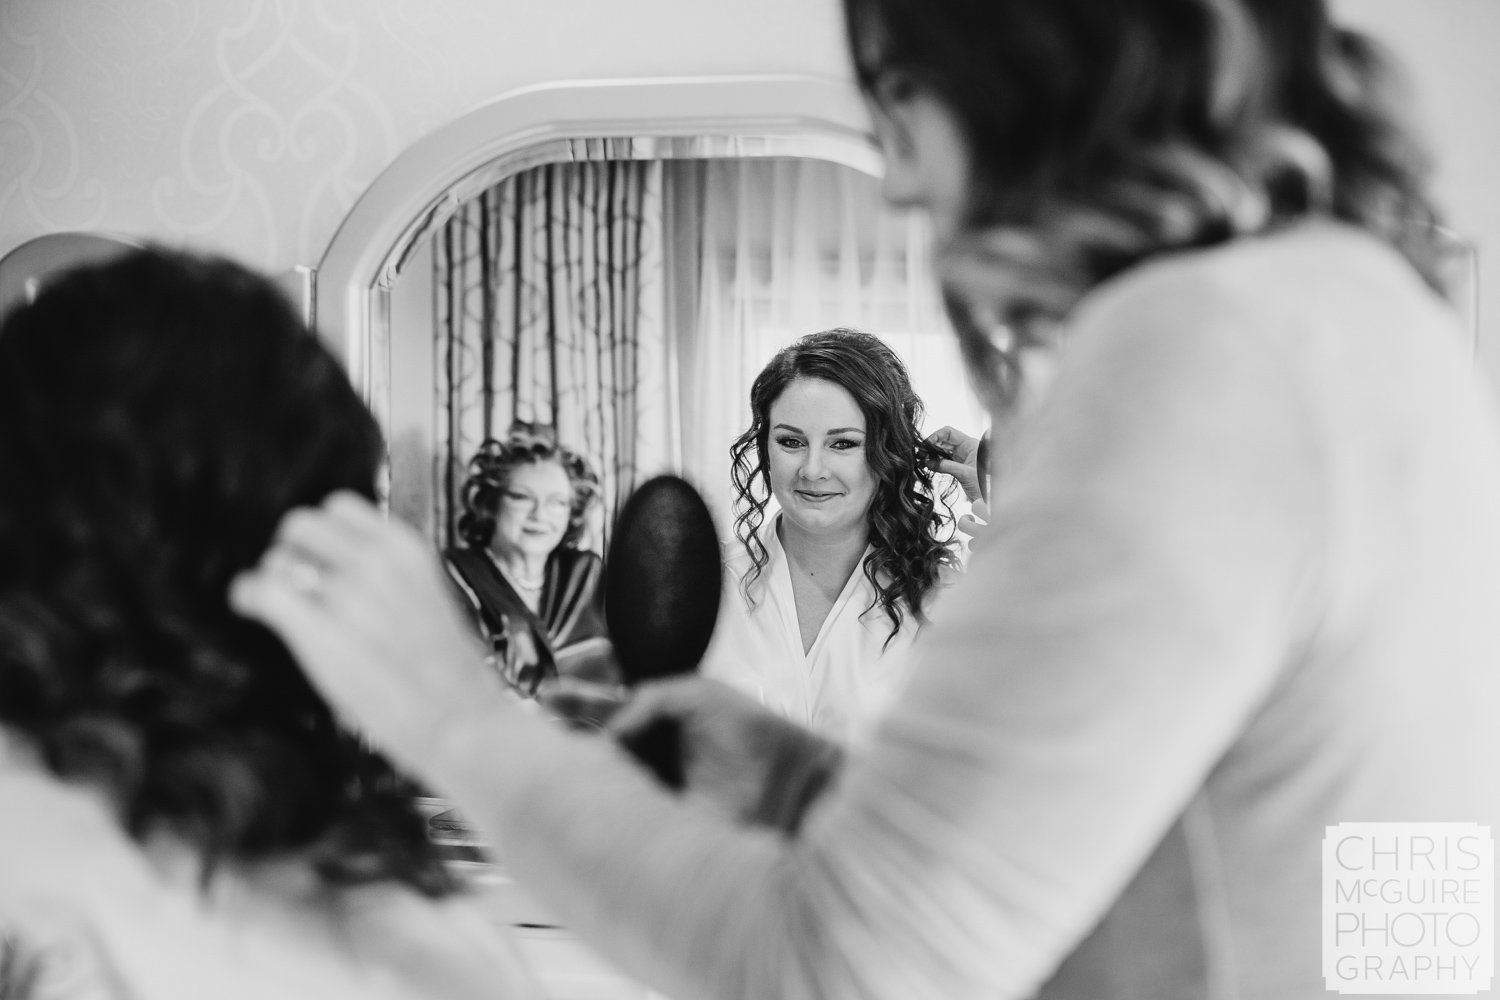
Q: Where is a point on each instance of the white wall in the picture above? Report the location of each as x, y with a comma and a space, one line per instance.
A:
1451, 52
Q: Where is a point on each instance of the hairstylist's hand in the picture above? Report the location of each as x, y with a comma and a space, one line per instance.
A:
581, 704
363, 604
963, 465
962, 461
747, 761
976, 522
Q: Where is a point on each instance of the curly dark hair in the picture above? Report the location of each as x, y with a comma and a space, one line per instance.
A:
489, 476
1110, 132
158, 415
911, 527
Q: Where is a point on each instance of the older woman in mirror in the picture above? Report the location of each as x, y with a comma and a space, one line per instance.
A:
537, 597
1238, 587
824, 598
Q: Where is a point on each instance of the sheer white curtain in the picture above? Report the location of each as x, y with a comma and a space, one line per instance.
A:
789, 247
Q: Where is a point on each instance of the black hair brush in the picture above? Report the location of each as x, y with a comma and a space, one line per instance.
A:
661, 601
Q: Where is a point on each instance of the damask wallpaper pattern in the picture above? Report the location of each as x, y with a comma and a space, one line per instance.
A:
251, 126
95, 94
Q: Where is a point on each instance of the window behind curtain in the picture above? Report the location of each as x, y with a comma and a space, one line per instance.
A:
766, 250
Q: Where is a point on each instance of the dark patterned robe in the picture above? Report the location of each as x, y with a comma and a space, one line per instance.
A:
567, 636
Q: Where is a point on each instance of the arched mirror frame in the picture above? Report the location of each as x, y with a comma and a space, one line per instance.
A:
673, 118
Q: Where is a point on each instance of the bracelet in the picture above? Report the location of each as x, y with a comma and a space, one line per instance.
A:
800, 775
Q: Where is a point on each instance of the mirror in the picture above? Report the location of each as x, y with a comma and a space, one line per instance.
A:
23, 270
375, 291
569, 122
631, 304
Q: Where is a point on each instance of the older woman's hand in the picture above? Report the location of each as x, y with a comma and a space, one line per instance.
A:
363, 604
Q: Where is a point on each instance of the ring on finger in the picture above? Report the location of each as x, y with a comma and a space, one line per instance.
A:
305, 577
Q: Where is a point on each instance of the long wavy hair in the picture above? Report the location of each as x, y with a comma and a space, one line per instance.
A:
159, 414
489, 476
911, 527
1100, 134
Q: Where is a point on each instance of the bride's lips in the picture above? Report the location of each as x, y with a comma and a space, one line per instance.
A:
814, 497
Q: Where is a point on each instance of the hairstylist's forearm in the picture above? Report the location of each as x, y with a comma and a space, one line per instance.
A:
650, 881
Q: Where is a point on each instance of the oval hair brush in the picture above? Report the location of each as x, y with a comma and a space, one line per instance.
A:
661, 601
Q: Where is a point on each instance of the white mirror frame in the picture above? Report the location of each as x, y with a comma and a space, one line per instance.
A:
24, 267
672, 118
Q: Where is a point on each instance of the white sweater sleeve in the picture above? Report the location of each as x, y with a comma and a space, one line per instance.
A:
1155, 540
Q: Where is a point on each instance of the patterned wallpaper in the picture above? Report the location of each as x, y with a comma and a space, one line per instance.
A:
252, 126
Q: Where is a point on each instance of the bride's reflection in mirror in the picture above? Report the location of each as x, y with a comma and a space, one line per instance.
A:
629, 305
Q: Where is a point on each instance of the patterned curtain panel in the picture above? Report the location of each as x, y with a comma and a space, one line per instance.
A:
550, 308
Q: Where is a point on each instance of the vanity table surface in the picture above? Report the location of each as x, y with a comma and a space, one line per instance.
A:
566, 968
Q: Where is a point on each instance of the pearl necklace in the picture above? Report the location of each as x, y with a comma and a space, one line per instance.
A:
517, 582
522, 585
